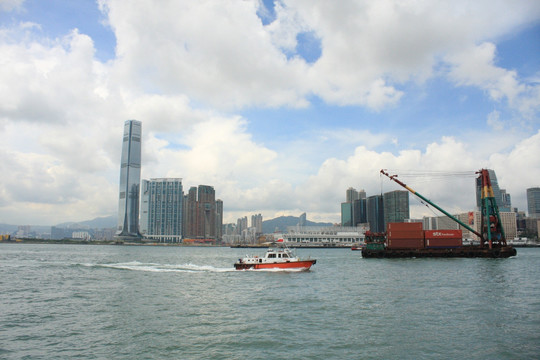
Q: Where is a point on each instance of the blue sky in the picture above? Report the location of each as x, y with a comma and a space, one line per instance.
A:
280, 105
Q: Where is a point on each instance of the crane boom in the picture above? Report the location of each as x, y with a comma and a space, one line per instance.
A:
394, 178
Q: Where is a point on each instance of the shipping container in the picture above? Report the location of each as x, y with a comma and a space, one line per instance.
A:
443, 243
443, 234
405, 226
405, 243
405, 234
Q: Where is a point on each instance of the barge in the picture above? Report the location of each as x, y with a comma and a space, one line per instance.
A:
404, 240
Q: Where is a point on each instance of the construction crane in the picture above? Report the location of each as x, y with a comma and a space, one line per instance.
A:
491, 233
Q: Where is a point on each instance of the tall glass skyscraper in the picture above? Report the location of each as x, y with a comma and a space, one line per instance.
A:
375, 213
533, 202
502, 199
396, 206
130, 179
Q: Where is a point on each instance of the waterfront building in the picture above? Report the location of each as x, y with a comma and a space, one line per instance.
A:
375, 213
473, 219
324, 235
440, 223
162, 209
360, 211
533, 202
347, 214
353, 210
190, 213
130, 178
203, 217
396, 206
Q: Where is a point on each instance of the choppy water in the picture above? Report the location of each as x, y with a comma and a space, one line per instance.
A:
143, 302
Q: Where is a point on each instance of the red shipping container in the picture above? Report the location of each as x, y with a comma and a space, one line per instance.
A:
443, 243
405, 243
405, 234
405, 226
443, 234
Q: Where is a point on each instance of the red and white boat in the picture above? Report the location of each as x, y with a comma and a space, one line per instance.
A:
282, 258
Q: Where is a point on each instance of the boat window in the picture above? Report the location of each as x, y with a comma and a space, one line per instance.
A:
279, 255
285, 256
271, 255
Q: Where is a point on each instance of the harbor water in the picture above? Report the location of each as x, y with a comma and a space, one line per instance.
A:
170, 302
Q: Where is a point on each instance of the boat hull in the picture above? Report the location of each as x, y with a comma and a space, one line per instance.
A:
291, 265
462, 252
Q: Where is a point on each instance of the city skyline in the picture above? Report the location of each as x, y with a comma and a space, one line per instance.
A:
276, 106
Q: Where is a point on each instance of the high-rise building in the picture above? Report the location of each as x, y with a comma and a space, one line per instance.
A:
203, 214
256, 222
353, 210
360, 211
351, 195
396, 206
190, 214
206, 212
502, 201
130, 178
162, 209
375, 213
506, 201
302, 221
241, 225
533, 202
219, 219
347, 214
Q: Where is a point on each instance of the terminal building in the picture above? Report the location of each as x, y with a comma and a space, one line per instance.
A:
325, 236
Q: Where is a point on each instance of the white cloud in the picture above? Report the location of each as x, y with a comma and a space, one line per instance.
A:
475, 66
220, 53
11, 5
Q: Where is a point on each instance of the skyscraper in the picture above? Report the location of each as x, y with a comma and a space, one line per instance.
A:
347, 214
502, 199
396, 206
161, 209
533, 202
256, 222
203, 214
130, 178
353, 210
375, 213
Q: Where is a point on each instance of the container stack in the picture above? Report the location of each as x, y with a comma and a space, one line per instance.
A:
443, 238
404, 236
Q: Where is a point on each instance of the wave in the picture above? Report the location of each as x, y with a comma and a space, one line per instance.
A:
152, 267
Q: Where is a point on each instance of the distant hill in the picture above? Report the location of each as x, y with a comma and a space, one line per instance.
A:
7, 229
281, 223
97, 223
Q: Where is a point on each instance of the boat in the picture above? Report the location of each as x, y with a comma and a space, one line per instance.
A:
282, 258
402, 240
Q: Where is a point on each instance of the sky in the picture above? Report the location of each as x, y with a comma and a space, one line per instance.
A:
280, 105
